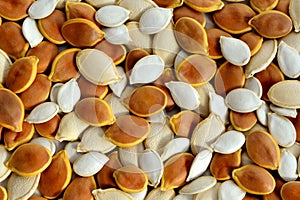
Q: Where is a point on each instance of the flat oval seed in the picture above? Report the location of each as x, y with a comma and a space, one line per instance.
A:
272, 24
68, 95
204, 6
253, 40
42, 113
45, 142
31, 32
183, 197
277, 94
159, 193
290, 190
41, 8
184, 95
154, 20
242, 121
294, 14
175, 146
5, 64
218, 107
91, 62
235, 51
111, 193
88, 89
209, 194
112, 16
229, 142
169, 3
89, 164
119, 86
282, 129
147, 69
138, 39
261, 6
200, 184
77, 9
254, 179
287, 112
242, 100
71, 149
228, 189
254, 84
14, 11
3, 193
137, 8
4, 171
20, 187
29, 159
80, 188
288, 166
117, 35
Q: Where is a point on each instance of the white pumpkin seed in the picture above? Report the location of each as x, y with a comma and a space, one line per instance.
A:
41, 8
4, 171
117, 107
138, 39
117, 35
282, 129
254, 84
45, 142
147, 69
229, 142
210, 194
200, 164
299, 166
294, 7
229, 190
93, 140
130, 156
288, 112
111, 193
262, 59
165, 45
151, 163
139, 195
71, 149
218, 107
154, 20
288, 166
101, 3
118, 87
246, 160
206, 133
137, 7
278, 94
97, 67
203, 91
62, 3
242, 100
256, 127
112, 15
183, 197
200, 184
292, 39
262, 113
5, 64
288, 60
160, 117
181, 55
157, 193
68, 95
235, 50
175, 146
70, 127
42, 113
294, 149
184, 95
54, 91
20, 187
31, 32
89, 164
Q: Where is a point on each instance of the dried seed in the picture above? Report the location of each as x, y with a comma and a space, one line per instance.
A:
229, 142
235, 51
133, 57
175, 146
209, 194
119, 86
112, 16
186, 11
137, 8
169, 3
77, 9
218, 107
242, 121
31, 32
29, 159
5, 64
71, 149
14, 11
181, 56
200, 184
138, 39
48, 129
41, 8
68, 95
254, 84
117, 35
287, 112
263, 149
42, 113
254, 179
203, 6
117, 107
154, 20
292, 39
101, 3
20, 187
262, 113
80, 188
88, 89
253, 40
111, 193
290, 190
261, 6
293, 7
288, 166
4, 171
228, 189
213, 37
89, 164
3, 193
159, 193
45, 142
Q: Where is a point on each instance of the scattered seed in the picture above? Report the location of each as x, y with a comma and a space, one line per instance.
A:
118, 35
31, 32
200, 184
228, 189
42, 113
288, 166
112, 16
41, 9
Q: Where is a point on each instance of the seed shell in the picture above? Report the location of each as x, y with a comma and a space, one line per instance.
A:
293, 8
228, 189
288, 166
41, 8
31, 32
5, 64
111, 193
4, 171
80, 188
117, 35
175, 146
112, 15
290, 190
42, 113
68, 95
229, 142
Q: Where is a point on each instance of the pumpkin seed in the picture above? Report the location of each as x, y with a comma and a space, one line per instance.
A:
151, 163
175, 146
80, 10
111, 193
152, 66
101, 3
218, 107
4, 171
242, 121
117, 35
262, 113
213, 36
254, 84
281, 129
119, 86
293, 7
139, 195
253, 40
138, 38
203, 92
14, 12
288, 166
31, 32
262, 58
71, 149
41, 8
263, 6
112, 15
45, 142
158, 193
235, 51
5, 64
54, 91
181, 55
80, 188
137, 8
181, 92
20, 187
200, 184
202, 6
209, 194
42, 113
228, 189
68, 95
154, 20
183, 197
200, 164
130, 156
229, 142
287, 112
3, 193
117, 107
89, 164
290, 190
292, 39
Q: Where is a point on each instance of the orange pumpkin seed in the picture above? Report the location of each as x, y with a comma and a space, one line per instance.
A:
46, 52
254, 179
88, 89
283, 6
296, 123
80, 10
146, 101
50, 27
128, 131
242, 121
131, 179
132, 57
185, 11
3, 193
29, 159
196, 70
253, 40
80, 188
56, 177
271, 24
261, 6
37, 93
11, 110
14, 10
94, 111
64, 67
204, 5
116, 52
290, 190
17, 47
276, 193
48, 129
37, 198
188, 39
234, 18
169, 3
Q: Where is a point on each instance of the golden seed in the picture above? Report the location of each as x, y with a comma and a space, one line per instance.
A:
132, 57
80, 188
253, 40
80, 10
242, 121
3, 193
204, 5
14, 10
48, 129
169, 3
290, 190
116, 52
263, 5
88, 89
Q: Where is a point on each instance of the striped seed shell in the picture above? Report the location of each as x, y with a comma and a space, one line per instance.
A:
112, 15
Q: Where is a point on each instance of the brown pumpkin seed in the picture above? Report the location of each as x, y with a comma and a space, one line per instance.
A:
14, 10
80, 10
204, 6
242, 121
253, 40
88, 89
169, 3
3, 193
48, 129
290, 190
80, 188
185, 11
261, 6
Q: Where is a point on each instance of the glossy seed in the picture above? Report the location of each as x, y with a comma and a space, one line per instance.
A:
169, 3
242, 121
77, 9
261, 6
290, 190
186, 11
88, 89
45, 142
48, 129
253, 40
3, 193
14, 11
112, 15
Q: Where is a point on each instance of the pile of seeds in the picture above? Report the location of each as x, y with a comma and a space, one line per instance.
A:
149, 99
